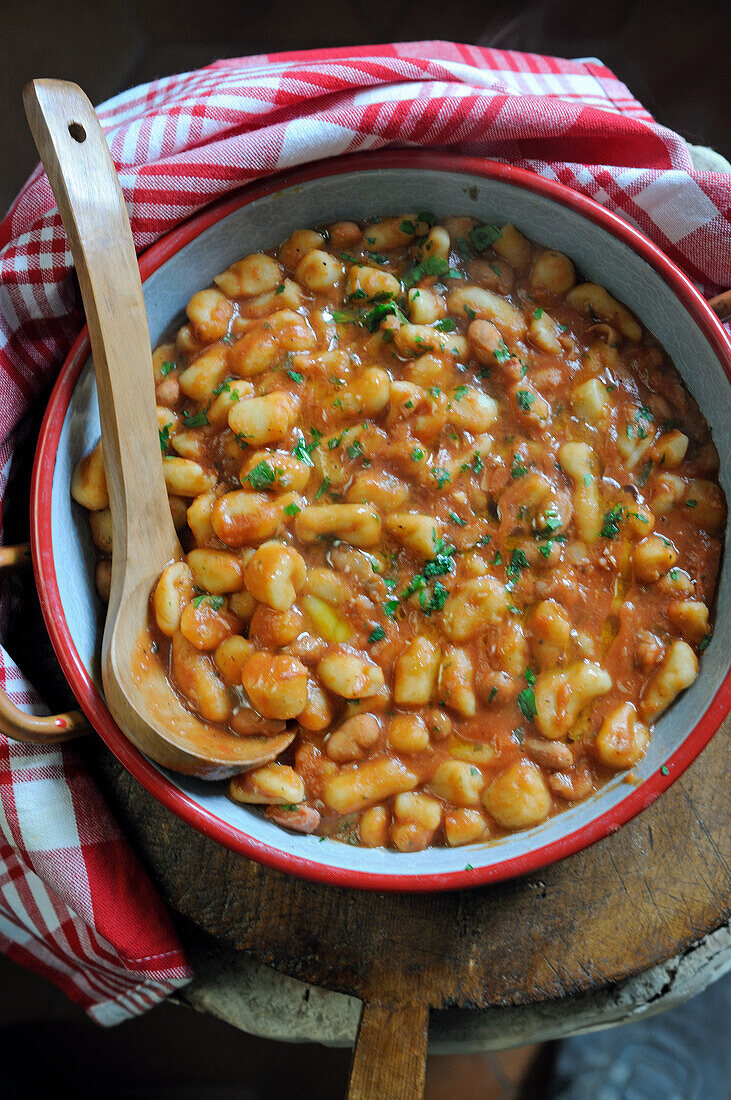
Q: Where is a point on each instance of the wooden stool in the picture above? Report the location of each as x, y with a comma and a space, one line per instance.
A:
541, 956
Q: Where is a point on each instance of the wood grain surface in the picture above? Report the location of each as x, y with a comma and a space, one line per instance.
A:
630, 901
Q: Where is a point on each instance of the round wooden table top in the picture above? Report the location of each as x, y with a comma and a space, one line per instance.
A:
634, 899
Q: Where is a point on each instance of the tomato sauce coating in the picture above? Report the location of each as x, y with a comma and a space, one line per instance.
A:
446, 507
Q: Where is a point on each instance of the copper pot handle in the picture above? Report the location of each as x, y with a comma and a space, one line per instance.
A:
45, 729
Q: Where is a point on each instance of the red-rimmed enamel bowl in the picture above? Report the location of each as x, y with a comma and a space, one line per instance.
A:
606, 250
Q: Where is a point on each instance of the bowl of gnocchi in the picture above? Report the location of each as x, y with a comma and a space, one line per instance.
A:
446, 445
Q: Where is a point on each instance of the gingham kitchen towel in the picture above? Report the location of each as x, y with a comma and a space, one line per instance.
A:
74, 903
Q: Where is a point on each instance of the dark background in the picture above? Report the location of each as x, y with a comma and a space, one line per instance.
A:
674, 57
673, 54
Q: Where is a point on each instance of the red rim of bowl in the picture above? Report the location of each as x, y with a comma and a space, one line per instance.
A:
92, 702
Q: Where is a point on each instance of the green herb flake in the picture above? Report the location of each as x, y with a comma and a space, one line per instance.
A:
644, 473
664, 770
498, 558
691, 504
195, 420
341, 318
417, 454
434, 265
612, 520
376, 635
704, 643
527, 703
525, 399
427, 217
457, 519
296, 376
560, 327
292, 510
168, 366
213, 601
323, 488
280, 289
463, 247
164, 434
262, 476
407, 226
518, 469
355, 450
441, 475
390, 607
302, 452
470, 313
493, 693
484, 236
502, 352
518, 562
460, 392
538, 313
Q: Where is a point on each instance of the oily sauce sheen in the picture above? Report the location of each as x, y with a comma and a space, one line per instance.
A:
447, 508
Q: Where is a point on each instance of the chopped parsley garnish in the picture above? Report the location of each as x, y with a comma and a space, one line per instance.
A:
525, 399
434, 265
491, 696
195, 420
335, 440
457, 519
262, 476
612, 520
168, 366
441, 475
447, 324
417, 454
538, 313
561, 328
498, 558
551, 522
372, 319
323, 488
355, 450
376, 635
460, 392
292, 510
427, 217
390, 607
164, 434
378, 257
302, 451
477, 464
213, 601
470, 313
691, 504
518, 561
502, 352
517, 469
407, 226
644, 473
530, 676
527, 703
225, 387
704, 643
463, 247
341, 318
280, 289
483, 236
665, 770
296, 376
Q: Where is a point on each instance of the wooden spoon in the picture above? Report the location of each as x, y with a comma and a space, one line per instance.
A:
81, 172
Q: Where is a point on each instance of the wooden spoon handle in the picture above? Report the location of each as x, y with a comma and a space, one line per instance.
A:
390, 1052
81, 172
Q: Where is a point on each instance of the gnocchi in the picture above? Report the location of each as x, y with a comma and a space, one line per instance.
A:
445, 510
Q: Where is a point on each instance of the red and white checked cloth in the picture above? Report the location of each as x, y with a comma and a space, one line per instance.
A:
74, 903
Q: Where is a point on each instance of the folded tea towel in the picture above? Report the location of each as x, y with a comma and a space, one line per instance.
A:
75, 905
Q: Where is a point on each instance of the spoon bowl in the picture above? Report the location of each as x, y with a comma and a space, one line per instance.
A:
81, 172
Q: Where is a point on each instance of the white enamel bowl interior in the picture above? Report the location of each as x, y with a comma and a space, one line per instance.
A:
262, 224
